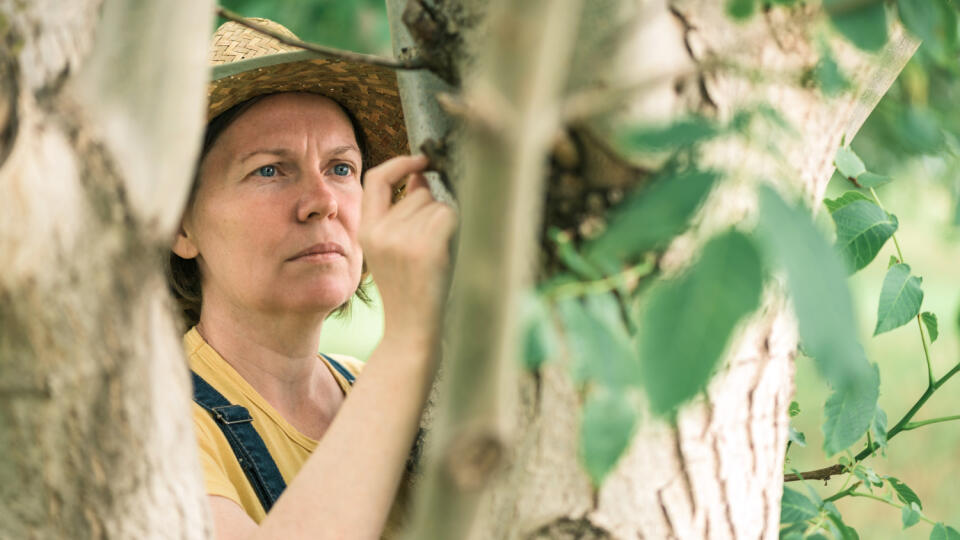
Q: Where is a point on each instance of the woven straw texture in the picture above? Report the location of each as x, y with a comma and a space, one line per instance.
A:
368, 92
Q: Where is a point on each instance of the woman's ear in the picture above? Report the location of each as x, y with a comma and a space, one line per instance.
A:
183, 244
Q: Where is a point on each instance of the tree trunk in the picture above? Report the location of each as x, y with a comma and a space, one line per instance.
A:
718, 472
103, 106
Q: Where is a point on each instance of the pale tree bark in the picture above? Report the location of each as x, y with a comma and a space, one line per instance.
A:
718, 472
103, 107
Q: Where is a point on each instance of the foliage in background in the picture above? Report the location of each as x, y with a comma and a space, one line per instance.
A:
356, 25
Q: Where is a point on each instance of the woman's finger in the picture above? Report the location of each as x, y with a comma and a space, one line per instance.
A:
379, 182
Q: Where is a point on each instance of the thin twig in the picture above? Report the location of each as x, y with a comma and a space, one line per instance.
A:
818, 474
915, 425
902, 425
327, 52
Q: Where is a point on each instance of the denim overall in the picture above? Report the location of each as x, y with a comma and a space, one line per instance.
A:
237, 426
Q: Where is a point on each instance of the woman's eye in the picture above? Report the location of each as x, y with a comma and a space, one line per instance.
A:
267, 171
341, 169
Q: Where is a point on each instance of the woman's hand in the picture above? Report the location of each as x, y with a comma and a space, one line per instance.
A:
406, 248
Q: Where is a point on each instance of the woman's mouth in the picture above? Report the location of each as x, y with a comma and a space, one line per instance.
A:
323, 251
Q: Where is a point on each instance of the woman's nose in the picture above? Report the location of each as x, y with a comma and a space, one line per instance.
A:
317, 199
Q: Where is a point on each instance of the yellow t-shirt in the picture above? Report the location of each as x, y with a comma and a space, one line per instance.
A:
288, 447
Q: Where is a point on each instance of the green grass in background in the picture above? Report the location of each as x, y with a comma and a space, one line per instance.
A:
926, 459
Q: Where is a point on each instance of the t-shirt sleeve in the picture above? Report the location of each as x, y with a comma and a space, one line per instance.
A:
211, 442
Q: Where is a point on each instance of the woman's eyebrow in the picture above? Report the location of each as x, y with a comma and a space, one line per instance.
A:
271, 151
340, 150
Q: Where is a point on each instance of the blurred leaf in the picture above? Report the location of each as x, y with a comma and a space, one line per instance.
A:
794, 409
862, 229
904, 493
930, 321
841, 530
919, 17
600, 349
893, 260
848, 197
540, 336
942, 532
741, 9
865, 26
872, 180
848, 163
682, 133
796, 507
686, 321
605, 431
910, 515
849, 411
879, 427
920, 129
650, 218
827, 74
796, 437
818, 286
900, 299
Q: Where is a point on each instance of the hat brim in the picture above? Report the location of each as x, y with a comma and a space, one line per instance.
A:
368, 92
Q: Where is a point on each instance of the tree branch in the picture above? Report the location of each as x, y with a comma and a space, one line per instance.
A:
903, 424
326, 52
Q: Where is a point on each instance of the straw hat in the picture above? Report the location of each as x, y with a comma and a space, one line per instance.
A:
247, 64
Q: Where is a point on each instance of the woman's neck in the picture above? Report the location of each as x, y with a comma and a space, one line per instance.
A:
277, 356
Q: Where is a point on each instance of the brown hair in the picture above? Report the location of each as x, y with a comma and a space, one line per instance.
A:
183, 275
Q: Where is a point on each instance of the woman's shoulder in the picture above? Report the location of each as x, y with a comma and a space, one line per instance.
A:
352, 364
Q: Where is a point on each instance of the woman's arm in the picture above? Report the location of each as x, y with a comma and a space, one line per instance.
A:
347, 486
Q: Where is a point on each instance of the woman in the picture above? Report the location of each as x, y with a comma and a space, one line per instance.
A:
273, 240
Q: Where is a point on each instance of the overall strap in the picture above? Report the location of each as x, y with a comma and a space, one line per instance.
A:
237, 425
340, 369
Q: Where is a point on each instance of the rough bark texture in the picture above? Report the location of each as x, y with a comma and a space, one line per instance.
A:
102, 115
718, 472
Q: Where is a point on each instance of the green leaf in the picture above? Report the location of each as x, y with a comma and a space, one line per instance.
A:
605, 431
843, 200
919, 17
862, 229
904, 493
796, 507
872, 180
796, 437
794, 409
686, 321
540, 336
868, 475
818, 286
741, 9
930, 321
893, 260
650, 218
827, 75
879, 427
839, 529
682, 133
848, 163
865, 27
900, 299
942, 532
600, 349
910, 515
848, 412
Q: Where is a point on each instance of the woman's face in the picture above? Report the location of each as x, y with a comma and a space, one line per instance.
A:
273, 224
